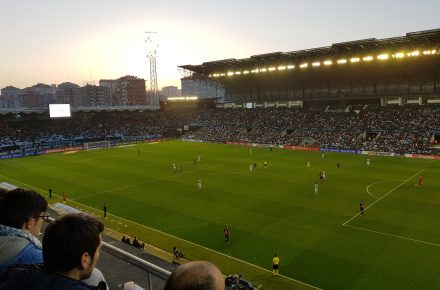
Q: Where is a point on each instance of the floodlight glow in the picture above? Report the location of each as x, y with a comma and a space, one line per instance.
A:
230, 73
433, 51
367, 58
263, 69
303, 65
342, 61
355, 59
238, 72
426, 52
328, 62
415, 53
272, 68
399, 55
315, 64
282, 67
245, 72
222, 74
254, 71
216, 75
291, 66
182, 98
383, 56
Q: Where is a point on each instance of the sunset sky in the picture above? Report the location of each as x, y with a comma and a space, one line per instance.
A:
52, 41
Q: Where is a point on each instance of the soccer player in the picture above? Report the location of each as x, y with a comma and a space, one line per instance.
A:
308, 164
420, 182
226, 234
316, 187
322, 156
362, 207
50, 192
174, 167
338, 165
105, 210
139, 151
323, 176
64, 197
199, 184
199, 158
194, 162
368, 162
275, 264
265, 164
251, 167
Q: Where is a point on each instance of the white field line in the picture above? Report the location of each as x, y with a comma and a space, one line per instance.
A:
395, 236
384, 181
385, 195
169, 235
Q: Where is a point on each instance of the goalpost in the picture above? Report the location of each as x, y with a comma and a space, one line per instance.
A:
96, 145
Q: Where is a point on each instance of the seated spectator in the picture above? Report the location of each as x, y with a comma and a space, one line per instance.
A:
71, 248
196, 275
22, 213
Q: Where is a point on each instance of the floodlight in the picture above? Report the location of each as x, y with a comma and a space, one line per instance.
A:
342, 61
304, 65
315, 64
222, 74
328, 62
254, 71
282, 67
367, 58
399, 55
230, 73
263, 69
290, 66
238, 72
355, 59
272, 68
433, 51
383, 56
245, 72
415, 53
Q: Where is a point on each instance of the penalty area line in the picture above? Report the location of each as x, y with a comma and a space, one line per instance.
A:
395, 236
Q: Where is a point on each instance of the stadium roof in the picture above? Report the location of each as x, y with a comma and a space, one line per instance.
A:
427, 39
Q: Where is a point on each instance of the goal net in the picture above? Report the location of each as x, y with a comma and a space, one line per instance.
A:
96, 145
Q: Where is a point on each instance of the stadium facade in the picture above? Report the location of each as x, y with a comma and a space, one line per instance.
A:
391, 70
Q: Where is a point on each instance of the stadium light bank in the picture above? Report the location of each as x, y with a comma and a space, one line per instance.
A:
329, 62
188, 98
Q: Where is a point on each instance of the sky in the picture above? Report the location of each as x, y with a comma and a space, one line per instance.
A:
83, 41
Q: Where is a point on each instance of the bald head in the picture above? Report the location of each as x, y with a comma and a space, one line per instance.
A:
197, 275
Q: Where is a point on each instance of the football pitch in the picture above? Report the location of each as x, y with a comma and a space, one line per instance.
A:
321, 239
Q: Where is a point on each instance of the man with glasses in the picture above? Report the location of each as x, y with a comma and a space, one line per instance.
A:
22, 213
71, 248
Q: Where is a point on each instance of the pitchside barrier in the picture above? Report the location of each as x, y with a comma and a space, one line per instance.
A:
155, 276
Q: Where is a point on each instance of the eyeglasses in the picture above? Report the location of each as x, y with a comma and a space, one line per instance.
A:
45, 218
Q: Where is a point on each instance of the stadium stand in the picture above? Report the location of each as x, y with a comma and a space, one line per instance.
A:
410, 129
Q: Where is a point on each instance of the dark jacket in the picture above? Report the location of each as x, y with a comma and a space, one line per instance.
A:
33, 277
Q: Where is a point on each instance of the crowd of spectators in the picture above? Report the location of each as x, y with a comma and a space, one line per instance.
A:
397, 129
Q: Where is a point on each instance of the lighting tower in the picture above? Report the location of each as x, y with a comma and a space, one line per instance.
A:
152, 46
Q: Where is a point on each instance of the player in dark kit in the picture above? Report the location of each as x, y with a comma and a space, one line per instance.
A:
226, 234
50, 192
105, 210
362, 207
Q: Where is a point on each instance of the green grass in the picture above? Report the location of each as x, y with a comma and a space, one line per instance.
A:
395, 245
